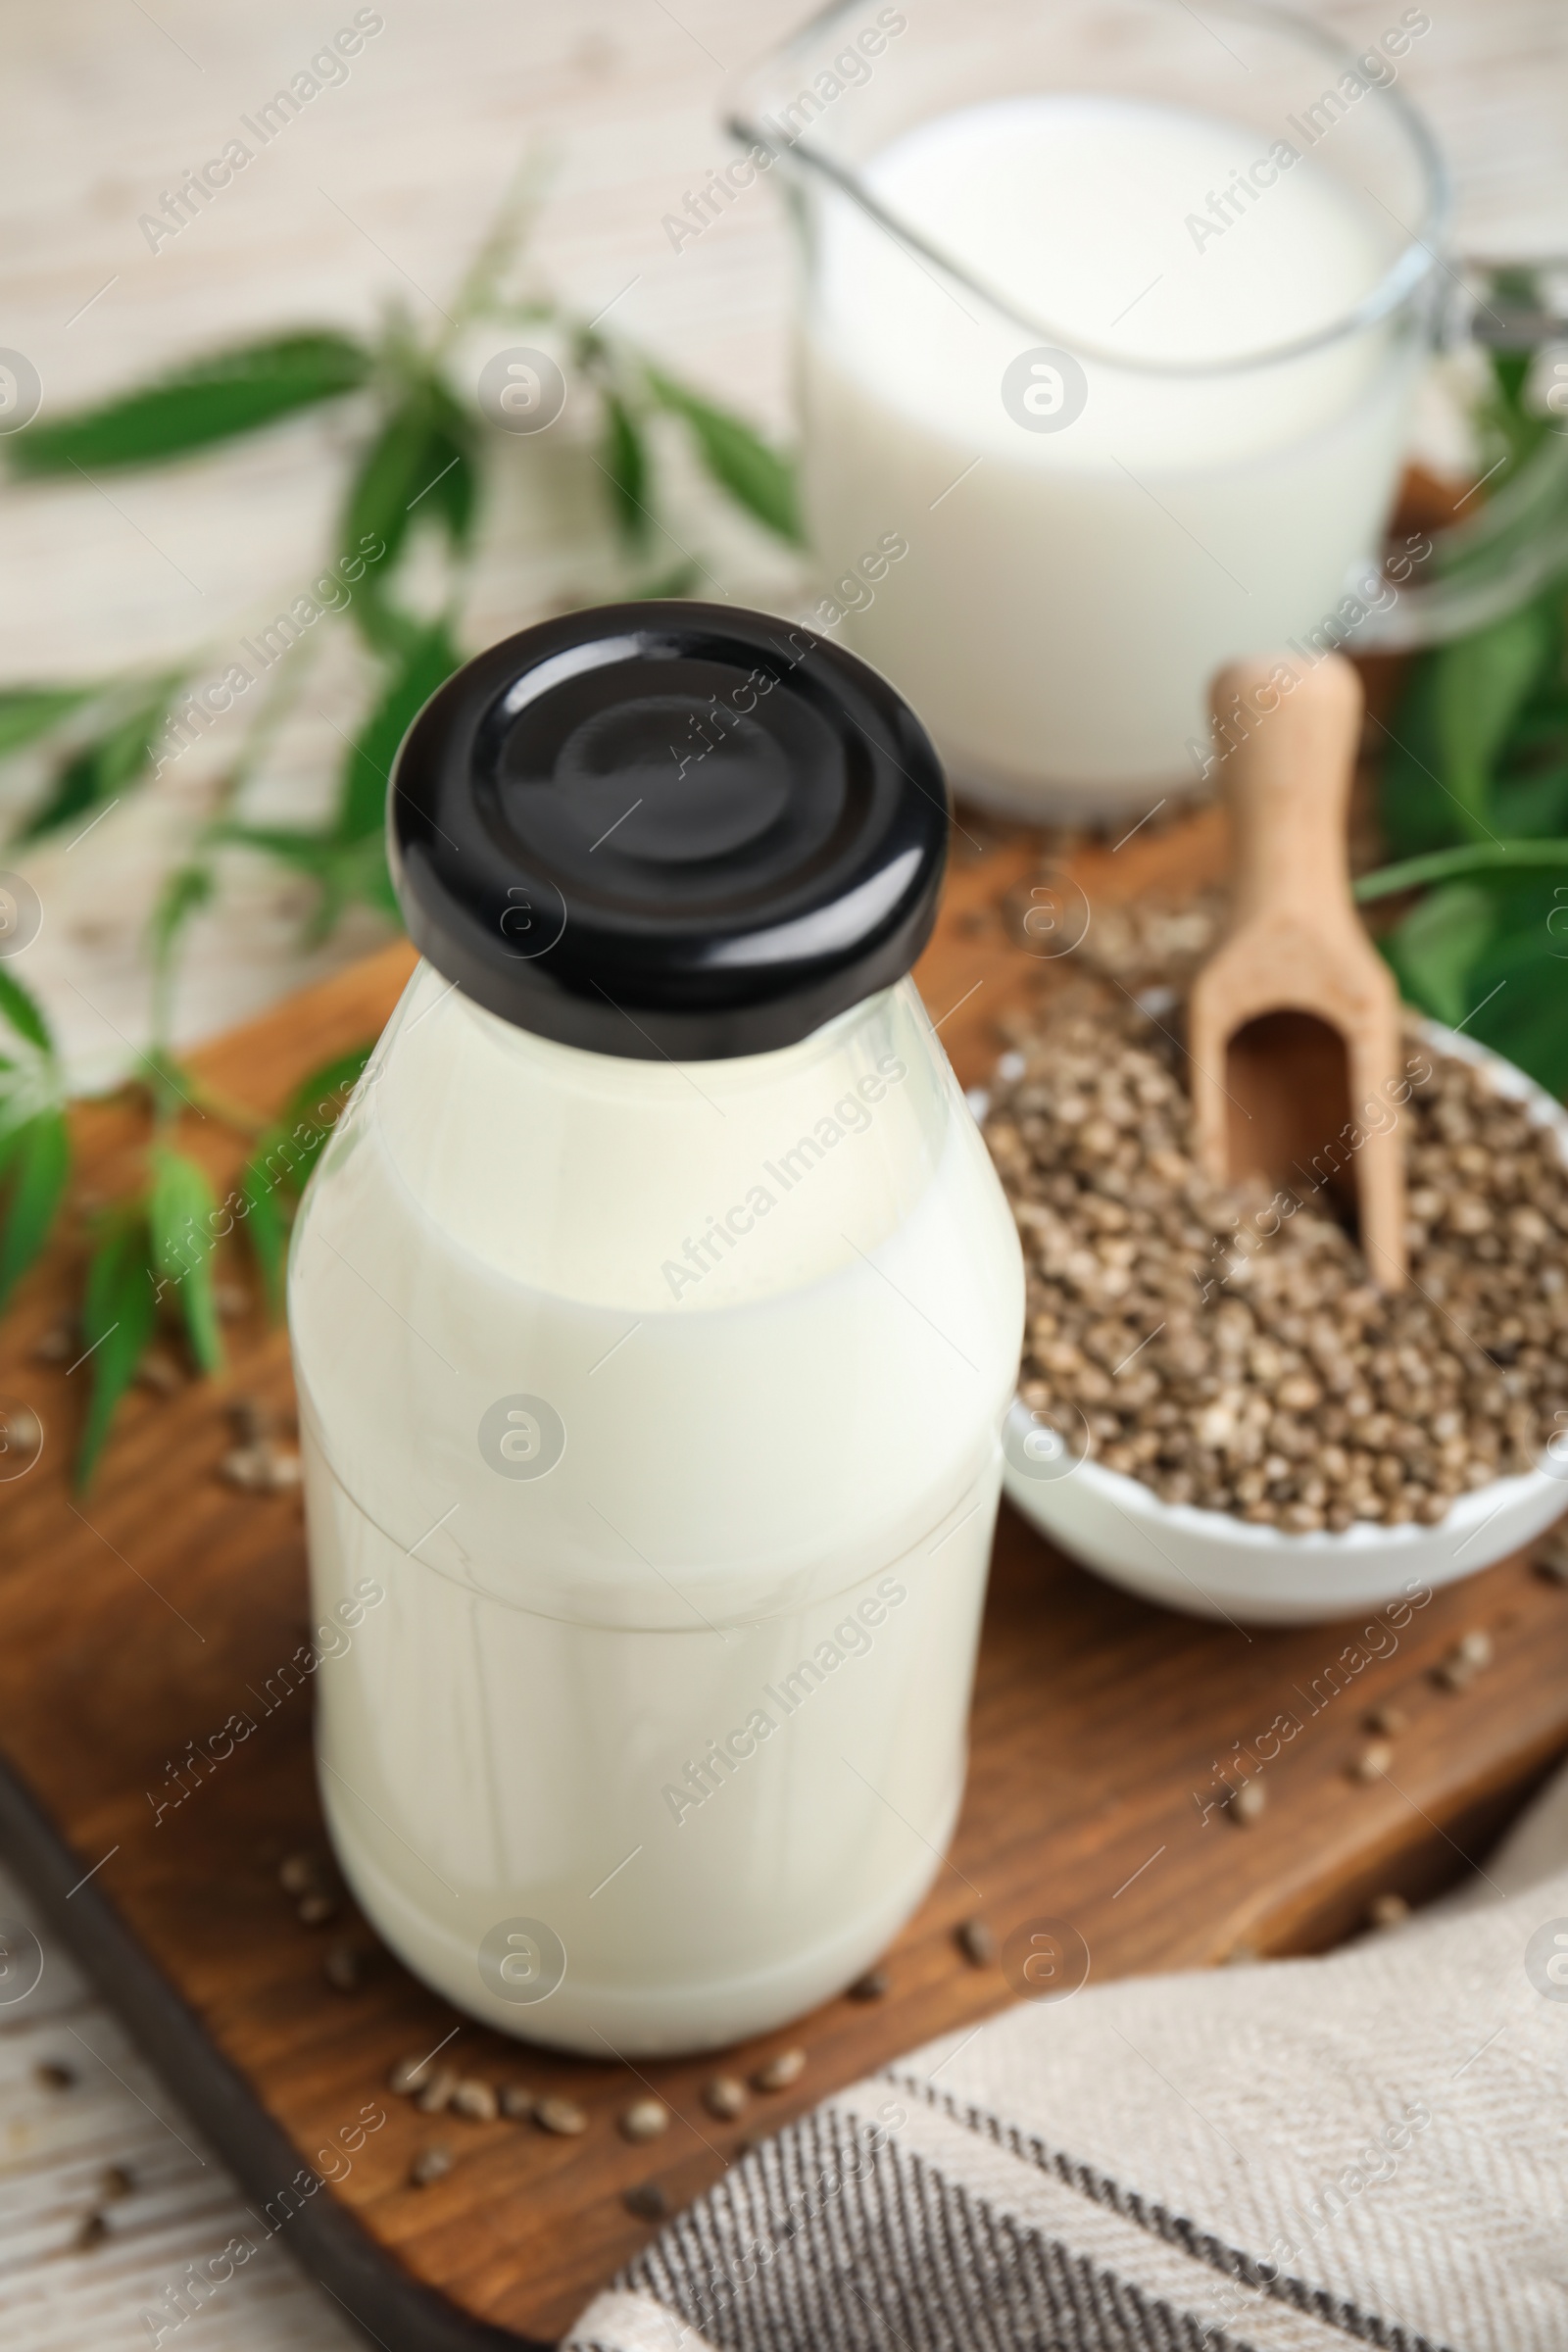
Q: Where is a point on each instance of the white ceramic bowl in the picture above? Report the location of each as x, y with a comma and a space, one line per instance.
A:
1213, 1564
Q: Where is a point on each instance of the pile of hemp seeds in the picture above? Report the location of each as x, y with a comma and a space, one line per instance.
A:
1268, 1377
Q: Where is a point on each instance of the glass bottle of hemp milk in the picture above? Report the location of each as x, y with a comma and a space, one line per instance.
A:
655, 1312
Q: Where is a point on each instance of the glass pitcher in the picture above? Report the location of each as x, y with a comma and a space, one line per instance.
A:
1110, 325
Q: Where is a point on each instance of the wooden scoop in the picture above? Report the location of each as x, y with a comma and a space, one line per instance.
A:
1294, 1024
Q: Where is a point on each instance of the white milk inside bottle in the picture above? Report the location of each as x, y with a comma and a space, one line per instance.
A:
655, 1312
1063, 549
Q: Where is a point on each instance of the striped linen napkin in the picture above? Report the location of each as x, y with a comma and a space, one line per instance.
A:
1370, 2147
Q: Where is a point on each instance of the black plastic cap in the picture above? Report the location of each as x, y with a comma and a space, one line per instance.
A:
668, 830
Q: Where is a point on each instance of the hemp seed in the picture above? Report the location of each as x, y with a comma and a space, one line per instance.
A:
778, 2073
303, 1874
261, 1468
251, 1419
1470, 1654
1551, 1559
58, 1342
475, 2100
430, 2164
562, 2116
724, 2095
516, 2104
92, 2231
872, 1986
647, 2201
1246, 1803
1224, 1346
645, 2119
976, 1942
407, 2076
344, 1968
1387, 1911
435, 2096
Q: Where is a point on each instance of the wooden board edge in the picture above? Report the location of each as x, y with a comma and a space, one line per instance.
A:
324, 2238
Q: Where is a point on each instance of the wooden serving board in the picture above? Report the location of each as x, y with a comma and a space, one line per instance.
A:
136, 1621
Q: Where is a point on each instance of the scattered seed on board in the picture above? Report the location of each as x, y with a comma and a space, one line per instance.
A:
1388, 1722
160, 1372
1387, 1911
436, 2094
475, 2100
871, 1986
115, 2181
645, 2119
344, 1968
303, 1874
24, 1431
562, 2116
253, 1420
777, 2073
92, 2231
50, 2075
724, 2097
1551, 1560
1372, 1762
976, 1942
647, 2201
430, 2164
1247, 1803
1468, 1656
516, 2104
261, 1468
407, 2076
316, 1909
57, 1343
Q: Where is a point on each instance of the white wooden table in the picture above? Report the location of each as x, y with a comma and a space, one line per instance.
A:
382, 187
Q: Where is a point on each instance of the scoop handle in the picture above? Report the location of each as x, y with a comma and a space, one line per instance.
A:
1287, 737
